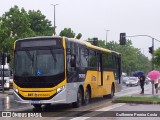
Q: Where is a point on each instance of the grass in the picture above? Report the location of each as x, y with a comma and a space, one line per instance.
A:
140, 99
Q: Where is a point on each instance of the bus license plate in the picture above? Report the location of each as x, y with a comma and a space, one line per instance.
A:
35, 101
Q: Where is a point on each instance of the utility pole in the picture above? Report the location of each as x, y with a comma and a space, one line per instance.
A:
54, 5
107, 35
152, 53
152, 64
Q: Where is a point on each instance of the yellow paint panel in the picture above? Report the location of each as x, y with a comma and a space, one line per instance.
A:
93, 78
37, 94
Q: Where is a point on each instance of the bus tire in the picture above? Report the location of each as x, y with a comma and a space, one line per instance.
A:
78, 103
37, 106
112, 92
87, 97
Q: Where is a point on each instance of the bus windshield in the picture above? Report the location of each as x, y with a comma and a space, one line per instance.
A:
30, 63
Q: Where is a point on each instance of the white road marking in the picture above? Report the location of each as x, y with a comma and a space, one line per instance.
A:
103, 109
111, 107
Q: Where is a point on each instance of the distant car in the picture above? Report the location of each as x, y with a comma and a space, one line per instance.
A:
5, 82
132, 81
124, 79
148, 80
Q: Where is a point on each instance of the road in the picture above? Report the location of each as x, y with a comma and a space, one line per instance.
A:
97, 107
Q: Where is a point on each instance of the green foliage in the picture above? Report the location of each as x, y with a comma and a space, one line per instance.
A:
68, 32
156, 59
18, 23
39, 24
132, 58
79, 36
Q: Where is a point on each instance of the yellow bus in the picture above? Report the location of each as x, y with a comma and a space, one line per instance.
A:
56, 70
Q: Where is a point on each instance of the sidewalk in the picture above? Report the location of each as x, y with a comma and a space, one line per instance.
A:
147, 93
147, 98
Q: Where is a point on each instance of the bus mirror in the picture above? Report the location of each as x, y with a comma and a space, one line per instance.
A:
73, 61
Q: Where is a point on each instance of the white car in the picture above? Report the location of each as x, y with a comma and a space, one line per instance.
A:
132, 81
6, 77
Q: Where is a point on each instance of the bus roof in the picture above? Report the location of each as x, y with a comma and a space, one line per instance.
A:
88, 44
40, 37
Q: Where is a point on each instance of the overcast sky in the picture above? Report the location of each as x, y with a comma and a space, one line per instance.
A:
93, 17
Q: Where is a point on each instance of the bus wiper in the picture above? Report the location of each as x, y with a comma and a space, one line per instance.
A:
53, 55
31, 58
29, 55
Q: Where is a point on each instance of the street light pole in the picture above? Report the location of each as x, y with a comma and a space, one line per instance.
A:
54, 17
152, 64
107, 35
152, 53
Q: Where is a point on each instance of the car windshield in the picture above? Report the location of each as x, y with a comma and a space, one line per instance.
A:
39, 62
133, 78
125, 78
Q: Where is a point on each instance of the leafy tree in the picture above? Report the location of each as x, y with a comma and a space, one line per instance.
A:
79, 36
39, 24
68, 32
132, 58
156, 59
18, 23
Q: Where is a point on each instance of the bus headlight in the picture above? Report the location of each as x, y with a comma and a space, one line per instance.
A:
60, 89
15, 89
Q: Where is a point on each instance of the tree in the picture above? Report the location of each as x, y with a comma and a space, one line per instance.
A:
156, 59
39, 24
68, 32
18, 23
79, 36
132, 58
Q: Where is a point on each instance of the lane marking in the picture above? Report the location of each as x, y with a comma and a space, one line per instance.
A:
111, 107
103, 109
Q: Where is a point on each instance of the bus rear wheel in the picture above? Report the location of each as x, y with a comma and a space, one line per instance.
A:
112, 92
87, 97
78, 103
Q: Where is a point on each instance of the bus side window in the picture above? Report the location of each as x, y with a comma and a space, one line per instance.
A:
73, 61
83, 57
92, 60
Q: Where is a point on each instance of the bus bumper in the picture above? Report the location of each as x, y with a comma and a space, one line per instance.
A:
59, 98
